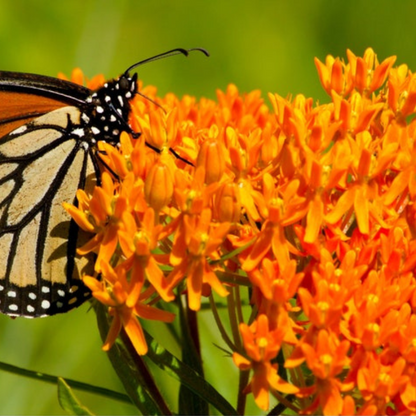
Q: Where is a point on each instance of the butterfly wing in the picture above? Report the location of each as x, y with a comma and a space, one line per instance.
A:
48, 150
42, 164
24, 97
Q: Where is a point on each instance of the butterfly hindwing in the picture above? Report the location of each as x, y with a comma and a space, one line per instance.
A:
38, 239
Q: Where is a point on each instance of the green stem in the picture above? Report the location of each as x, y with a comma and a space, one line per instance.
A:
220, 326
47, 378
189, 402
145, 374
231, 303
241, 398
187, 376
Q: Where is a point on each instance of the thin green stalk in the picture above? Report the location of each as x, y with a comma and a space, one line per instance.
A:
220, 326
231, 303
285, 402
242, 396
47, 378
239, 305
187, 376
190, 402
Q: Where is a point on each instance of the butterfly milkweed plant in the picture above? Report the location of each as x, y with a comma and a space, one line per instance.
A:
291, 233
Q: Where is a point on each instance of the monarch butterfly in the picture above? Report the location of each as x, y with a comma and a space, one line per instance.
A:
49, 129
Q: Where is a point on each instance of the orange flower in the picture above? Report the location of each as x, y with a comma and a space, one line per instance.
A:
100, 214
402, 92
78, 77
379, 384
368, 74
281, 212
262, 346
114, 291
200, 240
335, 75
137, 243
276, 289
326, 359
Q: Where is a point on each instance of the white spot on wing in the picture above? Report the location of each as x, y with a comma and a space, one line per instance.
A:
20, 130
79, 132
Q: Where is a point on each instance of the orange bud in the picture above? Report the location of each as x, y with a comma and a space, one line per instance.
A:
211, 157
158, 187
228, 203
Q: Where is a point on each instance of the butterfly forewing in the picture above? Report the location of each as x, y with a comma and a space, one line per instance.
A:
39, 270
24, 97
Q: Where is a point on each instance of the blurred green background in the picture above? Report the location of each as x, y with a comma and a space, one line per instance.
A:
267, 45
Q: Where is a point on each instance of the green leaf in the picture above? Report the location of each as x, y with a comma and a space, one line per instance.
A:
69, 401
187, 376
190, 403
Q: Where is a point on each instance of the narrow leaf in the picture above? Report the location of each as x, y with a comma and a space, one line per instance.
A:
190, 403
69, 401
48, 378
187, 376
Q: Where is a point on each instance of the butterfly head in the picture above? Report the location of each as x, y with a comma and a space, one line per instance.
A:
109, 108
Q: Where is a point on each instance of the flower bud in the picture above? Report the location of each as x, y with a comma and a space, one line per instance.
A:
158, 187
228, 203
211, 157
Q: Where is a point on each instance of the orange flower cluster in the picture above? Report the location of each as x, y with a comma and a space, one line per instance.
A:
312, 206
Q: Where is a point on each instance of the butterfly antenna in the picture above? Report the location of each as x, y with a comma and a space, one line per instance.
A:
173, 52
